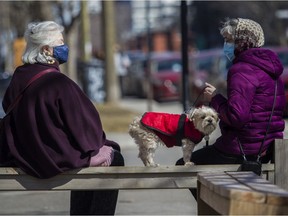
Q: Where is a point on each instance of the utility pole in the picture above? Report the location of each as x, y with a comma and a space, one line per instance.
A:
85, 31
108, 29
184, 51
148, 60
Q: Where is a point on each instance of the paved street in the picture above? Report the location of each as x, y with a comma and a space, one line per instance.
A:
138, 202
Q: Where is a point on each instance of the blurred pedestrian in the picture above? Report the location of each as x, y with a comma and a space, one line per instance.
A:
122, 63
54, 127
249, 115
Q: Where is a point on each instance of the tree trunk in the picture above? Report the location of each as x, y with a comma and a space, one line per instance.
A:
108, 28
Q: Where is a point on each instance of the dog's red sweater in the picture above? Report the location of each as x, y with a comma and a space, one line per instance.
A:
166, 125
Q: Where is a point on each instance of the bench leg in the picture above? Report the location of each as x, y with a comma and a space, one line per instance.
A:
202, 207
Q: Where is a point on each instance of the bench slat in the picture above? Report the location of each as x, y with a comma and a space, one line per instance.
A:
281, 161
239, 193
273, 194
139, 169
96, 183
163, 177
227, 186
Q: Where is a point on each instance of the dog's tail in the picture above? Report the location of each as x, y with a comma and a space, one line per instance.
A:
134, 126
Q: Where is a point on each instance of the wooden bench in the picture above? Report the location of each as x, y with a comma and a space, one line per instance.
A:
239, 193
242, 193
99, 178
164, 177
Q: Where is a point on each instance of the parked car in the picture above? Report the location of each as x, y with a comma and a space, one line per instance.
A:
165, 76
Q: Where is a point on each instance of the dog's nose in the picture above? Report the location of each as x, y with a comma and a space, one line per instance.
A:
210, 120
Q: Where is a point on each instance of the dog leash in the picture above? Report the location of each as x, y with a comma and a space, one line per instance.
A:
196, 100
201, 92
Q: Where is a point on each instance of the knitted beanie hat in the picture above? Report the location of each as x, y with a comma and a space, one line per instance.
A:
250, 32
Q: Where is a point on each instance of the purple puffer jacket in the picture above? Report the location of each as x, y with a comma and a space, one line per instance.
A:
250, 90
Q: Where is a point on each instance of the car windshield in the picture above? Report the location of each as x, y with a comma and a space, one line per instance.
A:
169, 65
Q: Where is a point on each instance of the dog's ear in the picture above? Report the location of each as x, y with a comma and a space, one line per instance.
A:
192, 113
196, 110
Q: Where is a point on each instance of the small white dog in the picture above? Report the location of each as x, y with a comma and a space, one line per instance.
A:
186, 130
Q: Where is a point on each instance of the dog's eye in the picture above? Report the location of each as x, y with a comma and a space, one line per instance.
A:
203, 117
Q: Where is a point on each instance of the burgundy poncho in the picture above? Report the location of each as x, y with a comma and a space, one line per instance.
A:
54, 128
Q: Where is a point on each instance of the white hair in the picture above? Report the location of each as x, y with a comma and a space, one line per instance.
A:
37, 35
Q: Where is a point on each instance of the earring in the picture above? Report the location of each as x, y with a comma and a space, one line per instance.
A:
48, 56
47, 53
50, 61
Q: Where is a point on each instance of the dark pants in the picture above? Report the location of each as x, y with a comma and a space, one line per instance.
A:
210, 155
98, 202
121, 84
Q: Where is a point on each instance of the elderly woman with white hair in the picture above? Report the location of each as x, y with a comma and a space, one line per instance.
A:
251, 115
54, 127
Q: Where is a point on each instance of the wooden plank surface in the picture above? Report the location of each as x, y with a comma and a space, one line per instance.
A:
227, 186
215, 201
281, 161
141, 170
239, 207
163, 177
241, 193
246, 185
273, 194
92, 183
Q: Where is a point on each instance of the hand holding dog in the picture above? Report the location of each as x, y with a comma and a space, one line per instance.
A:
209, 92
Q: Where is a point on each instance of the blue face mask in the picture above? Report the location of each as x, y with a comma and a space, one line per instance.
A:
61, 53
229, 51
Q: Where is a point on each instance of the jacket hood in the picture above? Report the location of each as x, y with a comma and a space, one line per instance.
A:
265, 59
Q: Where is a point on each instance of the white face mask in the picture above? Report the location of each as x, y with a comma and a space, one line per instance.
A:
229, 50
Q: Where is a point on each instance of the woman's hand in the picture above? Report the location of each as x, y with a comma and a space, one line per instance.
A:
209, 92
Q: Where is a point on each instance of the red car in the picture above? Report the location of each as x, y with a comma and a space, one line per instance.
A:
165, 76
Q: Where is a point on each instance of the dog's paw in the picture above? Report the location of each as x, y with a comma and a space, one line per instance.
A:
189, 164
156, 165
152, 164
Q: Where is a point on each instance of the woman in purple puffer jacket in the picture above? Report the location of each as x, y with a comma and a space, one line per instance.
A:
245, 113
